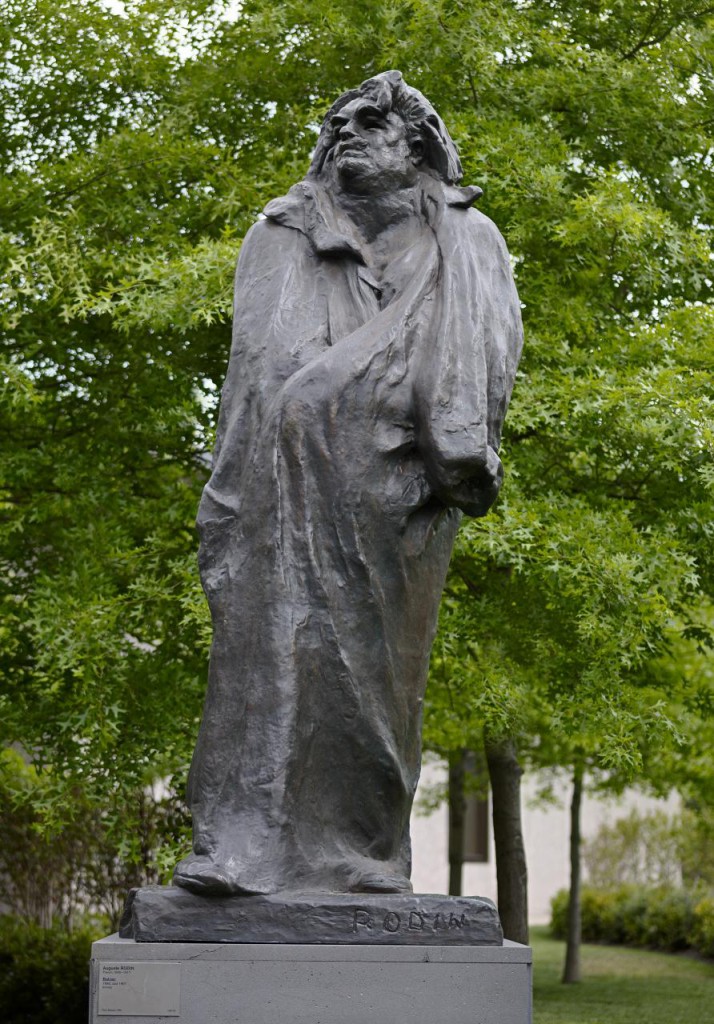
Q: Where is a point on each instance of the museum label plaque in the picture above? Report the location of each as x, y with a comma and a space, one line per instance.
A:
139, 989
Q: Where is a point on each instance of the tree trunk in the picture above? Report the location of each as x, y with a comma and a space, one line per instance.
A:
571, 970
457, 810
511, 870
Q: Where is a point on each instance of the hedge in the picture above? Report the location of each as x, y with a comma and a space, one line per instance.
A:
44, 973
703, 926
663, 918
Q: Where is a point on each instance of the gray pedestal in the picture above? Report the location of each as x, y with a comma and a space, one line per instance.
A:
165, 913
245, 983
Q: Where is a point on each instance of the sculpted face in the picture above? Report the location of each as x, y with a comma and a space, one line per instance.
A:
372, 152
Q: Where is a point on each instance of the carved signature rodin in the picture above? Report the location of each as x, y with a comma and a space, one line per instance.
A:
376, 335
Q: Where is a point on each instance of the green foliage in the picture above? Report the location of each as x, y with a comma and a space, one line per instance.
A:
136, 149
577, 616
51, 874
695, 847
668, 921
703, 926
652, 849
602, 918
640, 849
44, 973
664, 918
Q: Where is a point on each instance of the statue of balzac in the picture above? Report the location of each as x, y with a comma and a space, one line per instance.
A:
375, 341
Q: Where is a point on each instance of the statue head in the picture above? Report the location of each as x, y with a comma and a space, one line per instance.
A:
385, 130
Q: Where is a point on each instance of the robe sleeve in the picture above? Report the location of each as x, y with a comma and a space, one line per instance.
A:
466, 376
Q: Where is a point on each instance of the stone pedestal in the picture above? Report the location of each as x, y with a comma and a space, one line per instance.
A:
249, 983
167, 913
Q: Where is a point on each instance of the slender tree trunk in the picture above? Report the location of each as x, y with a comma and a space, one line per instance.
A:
571, 970
511, 870
457, 810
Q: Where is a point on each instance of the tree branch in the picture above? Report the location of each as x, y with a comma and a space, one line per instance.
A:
644, 41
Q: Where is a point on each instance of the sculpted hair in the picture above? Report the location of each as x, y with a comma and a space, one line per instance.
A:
390, 92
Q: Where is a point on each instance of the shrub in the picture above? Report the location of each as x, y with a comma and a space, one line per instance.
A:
559, 914
640, 849
653, 850
660, 918
696, 847
52, 874
668, 919
602, 913
702, 933
44, 973
633, 914
602, 919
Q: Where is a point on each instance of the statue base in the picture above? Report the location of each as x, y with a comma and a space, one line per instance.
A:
193, 983
170, 914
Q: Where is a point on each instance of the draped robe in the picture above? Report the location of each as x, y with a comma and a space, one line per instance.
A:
356, 424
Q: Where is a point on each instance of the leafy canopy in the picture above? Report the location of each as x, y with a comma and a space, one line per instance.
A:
139, 140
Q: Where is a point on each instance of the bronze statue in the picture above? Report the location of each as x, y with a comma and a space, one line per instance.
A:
376, 336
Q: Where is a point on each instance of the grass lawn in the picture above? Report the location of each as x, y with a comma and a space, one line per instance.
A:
620, 986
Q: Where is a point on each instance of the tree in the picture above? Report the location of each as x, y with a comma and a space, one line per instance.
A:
610, 431
138, 147
59, 879
547, 645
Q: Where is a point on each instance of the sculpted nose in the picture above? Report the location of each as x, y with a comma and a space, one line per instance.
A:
347, 131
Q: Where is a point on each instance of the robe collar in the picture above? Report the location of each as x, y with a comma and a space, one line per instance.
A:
308, 208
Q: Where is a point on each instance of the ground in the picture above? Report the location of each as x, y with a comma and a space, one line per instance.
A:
620, 986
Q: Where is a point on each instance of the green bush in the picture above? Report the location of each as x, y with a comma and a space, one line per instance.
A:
702, 934
559, 914
44, 973
633, 915
653, 850
49, 874
668, 919
661, 918
602, 913
638, 850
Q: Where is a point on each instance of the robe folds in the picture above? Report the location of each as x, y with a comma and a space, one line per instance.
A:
357, 422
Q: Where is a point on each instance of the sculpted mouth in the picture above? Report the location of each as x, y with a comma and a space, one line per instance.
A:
350, 147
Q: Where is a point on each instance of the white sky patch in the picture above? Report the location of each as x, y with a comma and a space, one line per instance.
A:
115, 7
207, 395
223, 10
695, 86
232, 10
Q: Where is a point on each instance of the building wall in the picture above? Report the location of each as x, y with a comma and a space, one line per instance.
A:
546, 834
